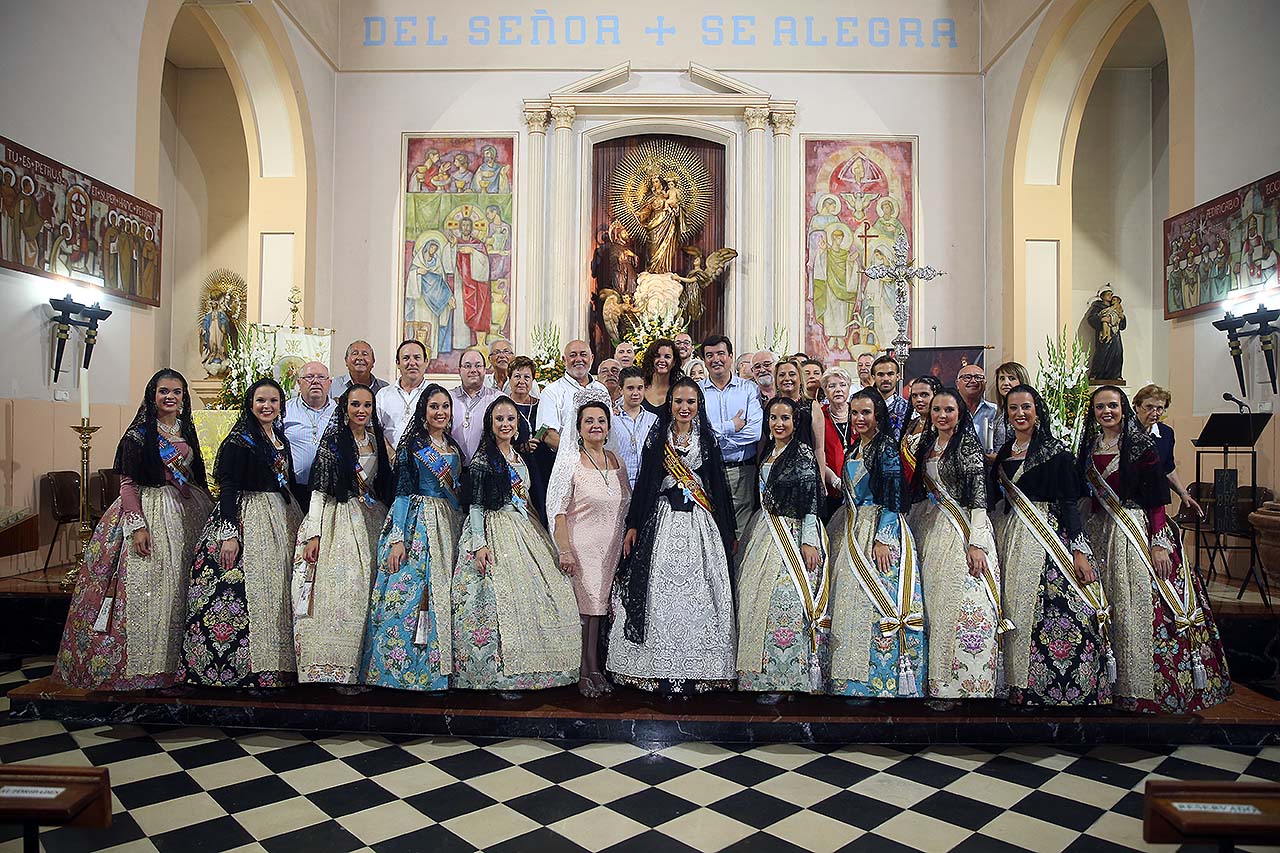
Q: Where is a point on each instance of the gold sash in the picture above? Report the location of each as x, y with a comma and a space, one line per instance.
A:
816, 603
955, 514
686, 480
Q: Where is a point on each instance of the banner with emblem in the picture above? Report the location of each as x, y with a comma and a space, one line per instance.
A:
59, 223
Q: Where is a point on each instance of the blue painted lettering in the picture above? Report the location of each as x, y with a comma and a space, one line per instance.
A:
846, 29
661, 30
569, 23
607, 24
479, 26
404, 38
910, 28
944, 27
879, 28
784, 28
712, 30
506, 29
370, 23
741, 29
539, 18
432, 38
809, 40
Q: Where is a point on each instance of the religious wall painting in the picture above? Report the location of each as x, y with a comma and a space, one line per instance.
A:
457, 243
1223, 250
860, 195
59, 223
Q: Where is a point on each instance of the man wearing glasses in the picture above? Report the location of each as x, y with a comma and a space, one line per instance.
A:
305, 419
971, 382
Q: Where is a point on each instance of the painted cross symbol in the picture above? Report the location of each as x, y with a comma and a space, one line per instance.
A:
661, 31
900, 275
865, 235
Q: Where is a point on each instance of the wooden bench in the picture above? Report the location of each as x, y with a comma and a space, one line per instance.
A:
1222, 813
37, 796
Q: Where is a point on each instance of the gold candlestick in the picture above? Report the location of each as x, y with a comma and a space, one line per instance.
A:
85, 431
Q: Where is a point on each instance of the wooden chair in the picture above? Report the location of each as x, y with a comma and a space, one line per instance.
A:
63, 491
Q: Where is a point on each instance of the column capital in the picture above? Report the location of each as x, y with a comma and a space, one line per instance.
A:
757, 117
784, 121
563, 117
536, 120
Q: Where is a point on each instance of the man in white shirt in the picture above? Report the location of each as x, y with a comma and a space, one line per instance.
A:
470, 401
306, 417
359, 360
396, 403
555, 407
762, 368
733, 409
631, 421
865, 379
971, 382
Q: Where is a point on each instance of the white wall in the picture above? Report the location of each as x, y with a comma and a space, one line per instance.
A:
1112, 223
374, 108
78, 64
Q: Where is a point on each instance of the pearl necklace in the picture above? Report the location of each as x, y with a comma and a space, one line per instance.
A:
1101, 446
175, 430
1019, 451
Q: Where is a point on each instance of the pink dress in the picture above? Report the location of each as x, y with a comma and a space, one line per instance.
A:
596, 518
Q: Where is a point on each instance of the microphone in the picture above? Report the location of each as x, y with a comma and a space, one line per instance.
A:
1227, 395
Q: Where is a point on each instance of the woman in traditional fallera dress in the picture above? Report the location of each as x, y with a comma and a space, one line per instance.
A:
784, 581
515, 617
124, 629
673, 626
877, 606
1168, 653
409, 636
957, 554
240, 616
1058, 652
351, 486
588, 498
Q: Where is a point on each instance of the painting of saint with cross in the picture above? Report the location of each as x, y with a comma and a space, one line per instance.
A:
860, 196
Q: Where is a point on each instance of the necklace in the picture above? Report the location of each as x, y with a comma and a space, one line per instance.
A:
939, 449
314, 422
175, 430
470, 406
1102, 445
599, 470
525, 411
438, 443
510, 455
842, 430
1019, 450
365, 440
630, 426
682, 442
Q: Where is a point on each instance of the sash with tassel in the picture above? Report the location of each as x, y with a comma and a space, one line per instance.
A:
895, 619
955, 514
815, 602
438, 465
1093, 595
362, 487
685, 479
1186, 612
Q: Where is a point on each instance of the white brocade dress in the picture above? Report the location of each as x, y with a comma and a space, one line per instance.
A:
329, 628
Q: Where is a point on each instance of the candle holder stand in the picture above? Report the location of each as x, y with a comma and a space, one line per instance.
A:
85, 431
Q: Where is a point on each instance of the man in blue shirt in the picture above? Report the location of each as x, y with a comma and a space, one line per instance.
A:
884, 375
306, 417
733, 410
971, 382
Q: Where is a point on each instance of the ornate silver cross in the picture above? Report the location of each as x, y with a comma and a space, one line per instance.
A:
900, 276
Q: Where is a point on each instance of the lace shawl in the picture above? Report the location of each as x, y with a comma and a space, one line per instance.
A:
333, 471
792, 488
962, 468
568, 459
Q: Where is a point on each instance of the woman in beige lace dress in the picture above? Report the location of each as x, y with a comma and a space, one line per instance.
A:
588, 498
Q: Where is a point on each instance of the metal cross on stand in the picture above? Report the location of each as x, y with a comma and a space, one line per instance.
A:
900, 276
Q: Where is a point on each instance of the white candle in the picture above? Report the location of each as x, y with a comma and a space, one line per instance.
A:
84, 394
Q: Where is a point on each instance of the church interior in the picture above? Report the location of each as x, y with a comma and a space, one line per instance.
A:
237, 189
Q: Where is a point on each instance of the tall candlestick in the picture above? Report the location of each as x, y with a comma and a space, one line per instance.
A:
84, 394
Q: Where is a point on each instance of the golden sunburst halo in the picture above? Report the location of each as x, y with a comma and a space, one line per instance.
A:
665, 158
231, 286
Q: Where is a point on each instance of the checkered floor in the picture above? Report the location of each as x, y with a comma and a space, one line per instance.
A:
187, 789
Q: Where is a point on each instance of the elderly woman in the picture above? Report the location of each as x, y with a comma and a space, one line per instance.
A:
1151, 402
837, 436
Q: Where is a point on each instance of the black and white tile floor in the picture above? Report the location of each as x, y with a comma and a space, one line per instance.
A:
188, 789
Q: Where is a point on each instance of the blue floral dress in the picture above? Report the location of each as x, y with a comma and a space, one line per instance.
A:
867, 653
407, 637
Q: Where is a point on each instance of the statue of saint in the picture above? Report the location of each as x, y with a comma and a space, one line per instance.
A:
222, 304
663, 218
1106, 317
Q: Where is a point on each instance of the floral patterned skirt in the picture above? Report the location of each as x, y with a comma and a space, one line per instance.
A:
391, 657
240, 622
1067, 662
99, 660
519, 546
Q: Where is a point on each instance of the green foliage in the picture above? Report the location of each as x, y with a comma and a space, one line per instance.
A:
1063, 379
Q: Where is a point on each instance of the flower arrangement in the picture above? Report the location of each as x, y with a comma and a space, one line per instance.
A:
649, 328
774, 341
548, 354
1064, 381
251, 355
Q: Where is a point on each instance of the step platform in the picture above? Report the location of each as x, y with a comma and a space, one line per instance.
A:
1247, 719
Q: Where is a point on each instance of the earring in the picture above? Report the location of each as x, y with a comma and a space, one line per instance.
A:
579, 442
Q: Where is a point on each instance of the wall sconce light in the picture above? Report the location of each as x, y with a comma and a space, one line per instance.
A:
1234, 327
64, 309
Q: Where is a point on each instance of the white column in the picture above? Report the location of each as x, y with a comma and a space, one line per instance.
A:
754, 319
535, 265
563, 246
787, 305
